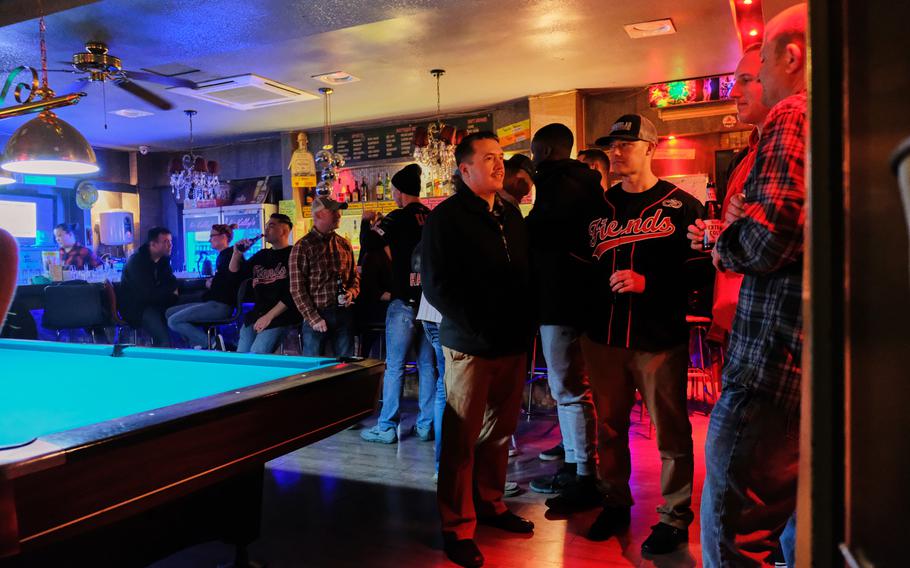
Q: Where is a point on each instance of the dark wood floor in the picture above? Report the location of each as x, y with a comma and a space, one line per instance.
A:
347, 503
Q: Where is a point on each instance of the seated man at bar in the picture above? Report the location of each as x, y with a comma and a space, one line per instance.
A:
148, 286
71, 252
217, 302
273, 312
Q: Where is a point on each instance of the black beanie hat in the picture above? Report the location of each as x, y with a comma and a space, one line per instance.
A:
407, 180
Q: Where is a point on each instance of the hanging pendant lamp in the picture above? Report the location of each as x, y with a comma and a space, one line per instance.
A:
5, 179
46, 144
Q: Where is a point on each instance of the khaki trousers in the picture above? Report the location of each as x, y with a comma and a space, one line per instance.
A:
483, 401
661, 379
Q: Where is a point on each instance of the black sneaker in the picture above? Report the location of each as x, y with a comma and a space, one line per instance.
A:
557, 452
579, 496
551, 484
611, 521
664, 539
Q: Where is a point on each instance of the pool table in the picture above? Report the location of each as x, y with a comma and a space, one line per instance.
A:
123, 447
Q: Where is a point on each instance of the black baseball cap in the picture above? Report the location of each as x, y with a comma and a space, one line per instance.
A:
630, 127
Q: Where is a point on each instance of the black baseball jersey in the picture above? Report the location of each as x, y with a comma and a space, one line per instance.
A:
646, 233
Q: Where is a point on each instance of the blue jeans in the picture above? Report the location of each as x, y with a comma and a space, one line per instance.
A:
431, 330
749, 496
570, 388
340, 322
263, 342
401, 331
181, 319
154, 324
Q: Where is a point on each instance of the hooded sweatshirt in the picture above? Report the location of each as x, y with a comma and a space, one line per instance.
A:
568, 191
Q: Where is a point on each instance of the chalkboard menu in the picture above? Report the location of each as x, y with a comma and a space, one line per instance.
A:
396, 141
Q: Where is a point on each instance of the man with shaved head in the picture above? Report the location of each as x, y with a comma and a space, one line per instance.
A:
752, 448
557, 227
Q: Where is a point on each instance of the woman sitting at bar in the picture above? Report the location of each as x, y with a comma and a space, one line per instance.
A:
218, 301
72, 253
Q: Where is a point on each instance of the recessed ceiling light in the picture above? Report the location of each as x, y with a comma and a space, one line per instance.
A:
131, 113
650, 29
753, 32
335, 78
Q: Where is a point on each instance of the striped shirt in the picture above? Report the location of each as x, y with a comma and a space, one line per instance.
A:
317, 261
766, 246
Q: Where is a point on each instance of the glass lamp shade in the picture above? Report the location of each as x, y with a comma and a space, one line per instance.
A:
48, 145
5, 179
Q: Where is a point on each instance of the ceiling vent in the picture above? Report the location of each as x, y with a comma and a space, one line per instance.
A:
245, 92
653, 28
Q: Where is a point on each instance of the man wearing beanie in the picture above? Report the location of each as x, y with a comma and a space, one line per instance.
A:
401, 231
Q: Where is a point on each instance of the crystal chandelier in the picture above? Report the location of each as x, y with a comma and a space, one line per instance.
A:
327, 159
191, 176
434, 146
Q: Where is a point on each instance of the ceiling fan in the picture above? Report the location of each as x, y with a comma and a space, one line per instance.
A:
101, 66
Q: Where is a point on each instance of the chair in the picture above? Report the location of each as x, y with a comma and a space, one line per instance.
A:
73, 305
701, 378
211, 326
535, 374
110, 298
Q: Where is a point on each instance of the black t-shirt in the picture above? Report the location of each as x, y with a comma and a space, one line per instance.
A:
646, 233
224, 282
401, 230
271, 284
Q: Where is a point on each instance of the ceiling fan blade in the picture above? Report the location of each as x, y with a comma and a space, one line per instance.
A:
161, 79
144, 94
77, 87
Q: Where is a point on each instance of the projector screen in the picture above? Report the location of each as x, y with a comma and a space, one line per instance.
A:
19, 218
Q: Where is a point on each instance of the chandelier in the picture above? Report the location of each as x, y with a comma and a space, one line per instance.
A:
327, 159
434, 146
191, 176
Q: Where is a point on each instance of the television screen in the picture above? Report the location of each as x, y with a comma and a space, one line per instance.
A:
20, 218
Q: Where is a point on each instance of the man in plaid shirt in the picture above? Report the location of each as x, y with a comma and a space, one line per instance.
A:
752, 448
324, 282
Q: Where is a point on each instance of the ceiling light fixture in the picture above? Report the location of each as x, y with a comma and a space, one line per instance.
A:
753, 32
434, 146
5, 179
191, 176
327, 159
335, 78
46, 144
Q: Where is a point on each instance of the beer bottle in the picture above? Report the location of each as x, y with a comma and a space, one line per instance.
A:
712, 220
341, 292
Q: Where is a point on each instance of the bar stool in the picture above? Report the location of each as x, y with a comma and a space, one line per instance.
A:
73, 305
211, 326
701, 378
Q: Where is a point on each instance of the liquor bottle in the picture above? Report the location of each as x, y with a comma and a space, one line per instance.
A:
355, 194
344, 194
388, 186
364, 190
341, 292
712, 220
380, 190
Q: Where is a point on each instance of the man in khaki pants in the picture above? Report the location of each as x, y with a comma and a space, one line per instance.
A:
475, 272
638, 338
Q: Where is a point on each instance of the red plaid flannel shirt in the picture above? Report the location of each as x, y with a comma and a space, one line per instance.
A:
317, 261
79, 256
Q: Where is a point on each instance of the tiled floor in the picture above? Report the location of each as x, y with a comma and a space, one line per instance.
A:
347, 503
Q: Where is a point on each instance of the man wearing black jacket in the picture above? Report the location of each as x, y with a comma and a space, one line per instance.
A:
148, 286
567, 191
639, 339
475, 272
